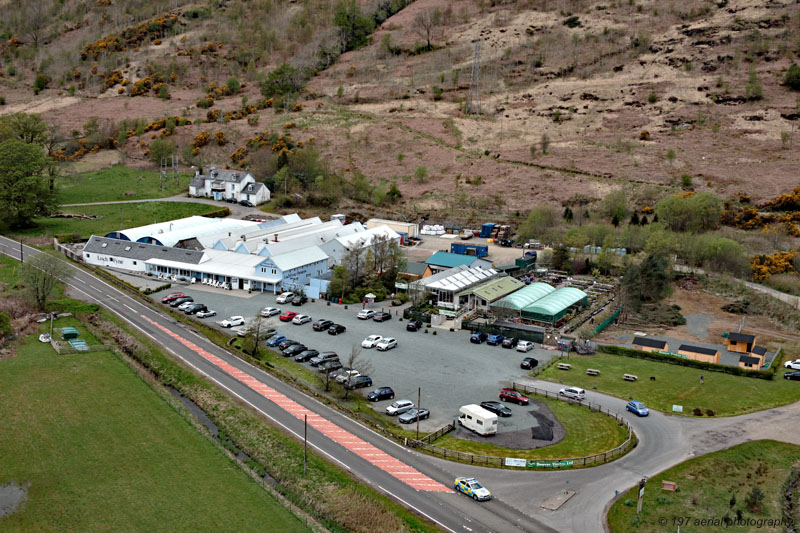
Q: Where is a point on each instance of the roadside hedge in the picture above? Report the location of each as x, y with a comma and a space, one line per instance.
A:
219, 213
670, 359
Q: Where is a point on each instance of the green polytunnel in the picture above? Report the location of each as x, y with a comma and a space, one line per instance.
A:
552, 308
525, 296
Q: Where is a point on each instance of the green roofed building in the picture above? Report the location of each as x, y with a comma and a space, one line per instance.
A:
552, 308
483, 295
515, 302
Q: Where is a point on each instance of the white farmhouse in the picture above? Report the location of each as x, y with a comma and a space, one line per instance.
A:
231, 185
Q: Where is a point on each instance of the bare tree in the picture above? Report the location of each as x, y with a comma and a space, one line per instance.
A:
355, 362
256, 331
41, 273
426, 25
353, 261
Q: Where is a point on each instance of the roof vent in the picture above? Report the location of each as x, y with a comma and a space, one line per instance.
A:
104, 244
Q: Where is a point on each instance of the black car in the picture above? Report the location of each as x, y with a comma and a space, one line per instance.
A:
528, 363
336, 329
414, 325
195, 308
497, 408
381, 393
231, 200
794, 376
294, 349
299, 300
302, 357
358, 382
322, 325
383, 316
321, 358
179, 301
510, 342
330, 366
246, 203
478, 337
286, 343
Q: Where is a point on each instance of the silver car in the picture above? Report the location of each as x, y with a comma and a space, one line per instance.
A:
399, 407
270, 311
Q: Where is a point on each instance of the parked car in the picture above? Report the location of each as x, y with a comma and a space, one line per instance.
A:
371, 341
328, 366
575, 393
497, 408
524, 346
365, 314
358, 382
637, 408
299, 300
510, 342
335, 329
414, 325
182, 300
344, 374
794, 365
528, 363
321, 358
286, 343
299, 320
270, 311
287, 316
294, 349
171, 297
494, 340
411, 416
794, 376
232, 321
399, 407
383, 316
275, 340
381, 393
302, 357
322, 325
231, 200
194, 307
246, 203
478, 337
472, 488
185, 305
387, 343
510, 395
285, 298
205, 314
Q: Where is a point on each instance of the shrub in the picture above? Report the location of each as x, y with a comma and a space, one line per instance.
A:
437, 93
205, 102
2, 100
572, 22
652, 98
40, 82
163, 92
792, 77
754, 499
710, 412
697, 411
421, 174
644, 135
234, 85
686, 181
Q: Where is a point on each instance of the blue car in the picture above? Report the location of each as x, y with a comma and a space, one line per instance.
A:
478, 337
494, 340
637, 408
276, 340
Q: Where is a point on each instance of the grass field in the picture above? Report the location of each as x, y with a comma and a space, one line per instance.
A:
118, 183
101, 451
115, 216
725, 394
587, 433
707, 488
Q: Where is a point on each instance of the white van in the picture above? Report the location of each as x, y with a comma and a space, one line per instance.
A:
477, 419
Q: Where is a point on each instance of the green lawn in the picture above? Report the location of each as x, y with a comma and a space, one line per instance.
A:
706, 487
115, 216
725, 394
587, 432
118, 183
102, 452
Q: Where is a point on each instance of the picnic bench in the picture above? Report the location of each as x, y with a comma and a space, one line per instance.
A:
669, 485
592, 372
629, 377
564, 366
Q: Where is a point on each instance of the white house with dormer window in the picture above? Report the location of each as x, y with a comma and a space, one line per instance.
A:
228, 185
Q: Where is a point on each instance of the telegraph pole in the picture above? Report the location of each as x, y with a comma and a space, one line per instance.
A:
474, 97
419, 400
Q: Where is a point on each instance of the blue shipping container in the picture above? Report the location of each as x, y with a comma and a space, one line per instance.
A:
469, 249
486, 230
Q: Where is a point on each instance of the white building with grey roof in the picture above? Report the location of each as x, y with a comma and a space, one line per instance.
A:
231, 185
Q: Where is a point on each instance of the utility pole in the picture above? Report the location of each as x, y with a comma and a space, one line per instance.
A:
21, 260
641, 495
419, 400
474, 97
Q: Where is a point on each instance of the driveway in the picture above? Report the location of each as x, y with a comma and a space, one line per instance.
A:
449, 370
237, 211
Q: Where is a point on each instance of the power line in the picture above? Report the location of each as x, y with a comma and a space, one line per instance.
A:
474, 98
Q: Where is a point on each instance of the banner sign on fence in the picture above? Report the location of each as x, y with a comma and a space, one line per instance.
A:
677, 408
510, 461
549, 464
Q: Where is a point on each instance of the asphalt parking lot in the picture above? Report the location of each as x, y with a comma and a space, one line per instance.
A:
450, 370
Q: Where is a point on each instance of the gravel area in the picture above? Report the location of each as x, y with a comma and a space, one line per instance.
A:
12, 497
535, 420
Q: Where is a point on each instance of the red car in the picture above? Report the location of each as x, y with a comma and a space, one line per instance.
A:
287, 316
171, 297
510, 395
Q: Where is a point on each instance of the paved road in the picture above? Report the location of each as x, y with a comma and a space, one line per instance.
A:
664, 440
451, 511
237, 211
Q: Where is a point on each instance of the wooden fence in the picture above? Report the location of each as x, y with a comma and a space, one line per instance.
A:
500, 462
